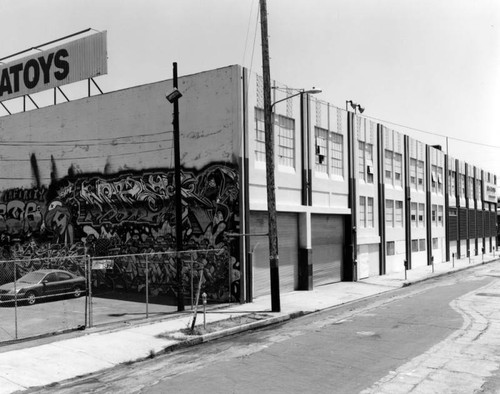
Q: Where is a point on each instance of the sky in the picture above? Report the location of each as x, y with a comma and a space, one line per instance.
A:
427, 68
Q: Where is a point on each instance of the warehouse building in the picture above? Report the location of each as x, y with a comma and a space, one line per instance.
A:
354, 198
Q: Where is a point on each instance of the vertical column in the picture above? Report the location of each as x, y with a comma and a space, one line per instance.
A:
381, 199
305, 252
407, 200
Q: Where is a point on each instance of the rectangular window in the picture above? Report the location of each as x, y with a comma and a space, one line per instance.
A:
413, 174
260, 136
321, 149
471, 188
440, 179
462, 185
420, 175
389, 213
440, 215
362, 211
452, 182
398, 169
478, 190
365, 161
399, 214
435, 243
414, 245
370, 218
337, 154
286, 140
388, 166
434, 213
433, 179
361, 160
453, 211
391, 249
413, 210
421, 245
421, 215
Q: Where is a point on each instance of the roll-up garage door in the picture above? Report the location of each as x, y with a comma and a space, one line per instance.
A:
288, 251
327, 248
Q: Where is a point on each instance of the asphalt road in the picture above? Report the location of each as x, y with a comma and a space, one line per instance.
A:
342, 350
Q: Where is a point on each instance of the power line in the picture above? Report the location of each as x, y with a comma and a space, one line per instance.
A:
432, 133
83, 143
88, 139
86, 157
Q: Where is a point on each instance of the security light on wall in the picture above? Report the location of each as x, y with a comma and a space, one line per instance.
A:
174, 95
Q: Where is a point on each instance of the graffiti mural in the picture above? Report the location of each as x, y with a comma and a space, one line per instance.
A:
124, 214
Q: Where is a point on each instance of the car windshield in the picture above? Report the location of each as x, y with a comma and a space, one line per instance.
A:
32, 277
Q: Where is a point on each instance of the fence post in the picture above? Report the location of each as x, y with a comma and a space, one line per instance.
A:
87, 287
15, 300
192, 279
147, 288
89, 263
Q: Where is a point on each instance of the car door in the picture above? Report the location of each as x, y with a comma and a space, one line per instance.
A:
50, 284
65, 282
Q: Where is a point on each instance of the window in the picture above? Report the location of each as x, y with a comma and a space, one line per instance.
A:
435, 243
389, 213
462, 185
399, 214
362, 211
393, 168
286, 140
421, 215
391, 249
440, 180
413, 210
260, 136
453, 211
471, 188
420, 175
413, 174
370, 219
414, 245
388, 165
434, 214
440, 215
478, 189
421, 245
451, 178
398, 169
321, 149
365, 161
337, 155
366, 214
434, 179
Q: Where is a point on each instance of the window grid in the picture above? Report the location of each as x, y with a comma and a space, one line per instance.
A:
260, 136
365, 162
362, 211
421, 215
321, 144
286, 140
370, 218
399, 214
337, 154
389, 214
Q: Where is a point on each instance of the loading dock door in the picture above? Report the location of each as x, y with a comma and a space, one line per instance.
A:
288, 251
327, 248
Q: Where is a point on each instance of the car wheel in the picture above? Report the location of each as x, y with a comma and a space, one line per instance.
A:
77, 291
30, 297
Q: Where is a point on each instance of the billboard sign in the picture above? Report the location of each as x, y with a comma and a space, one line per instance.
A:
67, 63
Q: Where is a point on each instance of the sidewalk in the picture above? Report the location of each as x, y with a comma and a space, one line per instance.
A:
32, 364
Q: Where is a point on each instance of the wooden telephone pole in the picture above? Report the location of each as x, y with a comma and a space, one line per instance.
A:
269, 143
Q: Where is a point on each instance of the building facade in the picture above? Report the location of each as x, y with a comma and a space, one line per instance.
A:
354, 198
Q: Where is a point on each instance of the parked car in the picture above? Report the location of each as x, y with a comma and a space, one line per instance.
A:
43, 284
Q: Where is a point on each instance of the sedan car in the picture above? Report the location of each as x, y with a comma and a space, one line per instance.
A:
43, 284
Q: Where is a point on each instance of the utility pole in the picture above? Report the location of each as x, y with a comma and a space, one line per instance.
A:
269, 143
178, 196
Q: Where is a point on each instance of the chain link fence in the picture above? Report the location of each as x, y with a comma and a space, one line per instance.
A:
50, 295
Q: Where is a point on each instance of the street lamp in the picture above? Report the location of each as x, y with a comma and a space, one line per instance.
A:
271, 205
302, 91
355, 107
